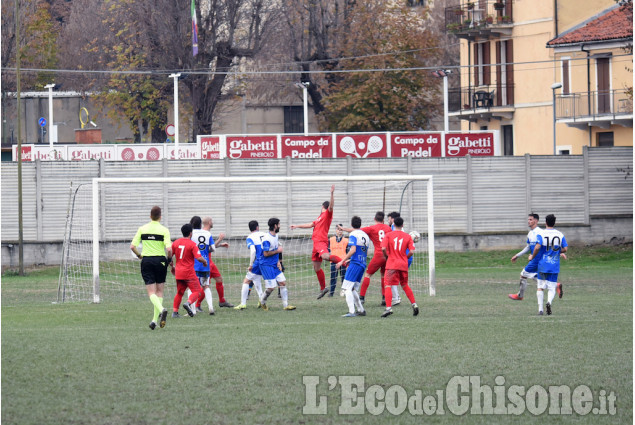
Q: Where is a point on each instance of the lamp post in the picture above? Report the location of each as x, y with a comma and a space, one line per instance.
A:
176, 113
50, 87
554, 87
442, 73
304, 87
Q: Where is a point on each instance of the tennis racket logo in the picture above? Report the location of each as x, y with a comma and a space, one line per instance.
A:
350, 147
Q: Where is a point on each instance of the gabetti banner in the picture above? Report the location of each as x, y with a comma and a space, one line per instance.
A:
276, 146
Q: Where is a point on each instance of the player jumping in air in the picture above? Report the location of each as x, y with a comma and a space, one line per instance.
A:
394, 246
320, 239
358, 250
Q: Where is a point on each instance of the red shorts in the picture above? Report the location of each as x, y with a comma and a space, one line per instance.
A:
319, 248
213, 270
191, 284
395, 277
376, 263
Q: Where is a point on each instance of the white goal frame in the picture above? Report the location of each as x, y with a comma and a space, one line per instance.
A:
97, 181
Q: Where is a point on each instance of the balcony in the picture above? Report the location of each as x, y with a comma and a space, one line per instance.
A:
597, 108
480, 18
482, 102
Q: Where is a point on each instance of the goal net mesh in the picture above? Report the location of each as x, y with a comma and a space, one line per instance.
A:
124, 206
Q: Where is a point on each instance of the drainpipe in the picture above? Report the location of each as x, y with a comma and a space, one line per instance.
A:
555, 7
588, 87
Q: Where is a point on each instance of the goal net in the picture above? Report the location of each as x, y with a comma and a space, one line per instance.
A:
103, 216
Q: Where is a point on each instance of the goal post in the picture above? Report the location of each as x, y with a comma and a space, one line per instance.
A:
119, 205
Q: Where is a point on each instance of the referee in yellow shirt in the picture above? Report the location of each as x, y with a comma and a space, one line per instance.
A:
154, 263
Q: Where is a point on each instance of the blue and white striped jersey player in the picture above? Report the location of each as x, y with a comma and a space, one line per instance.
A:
253, 276
531, 269
550, 246
358, 250
271, 268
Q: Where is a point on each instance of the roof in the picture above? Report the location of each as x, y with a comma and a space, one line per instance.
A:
615, 23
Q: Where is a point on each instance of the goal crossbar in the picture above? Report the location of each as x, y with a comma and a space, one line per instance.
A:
97, 181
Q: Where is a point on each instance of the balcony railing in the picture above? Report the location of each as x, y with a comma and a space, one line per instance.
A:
478, 15
595, 105
464, 99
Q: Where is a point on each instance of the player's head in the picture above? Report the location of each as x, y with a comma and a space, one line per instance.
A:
274, 224
186, 230
550, 220
399, 222
392, 216
356, 222
253, 225
155, 213
208, 223
379, 216
196, 222
338, 230
325, 205
532, 220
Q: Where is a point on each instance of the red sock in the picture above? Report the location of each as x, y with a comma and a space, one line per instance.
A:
334, 259
409, 293
193, 298
221, 292
365, 283
382, 285
388, 296
321, 279
180, 290
201, 297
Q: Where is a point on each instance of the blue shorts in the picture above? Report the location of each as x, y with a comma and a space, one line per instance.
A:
549, 277
355, 272
269, 272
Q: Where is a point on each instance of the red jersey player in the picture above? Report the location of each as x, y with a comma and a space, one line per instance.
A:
376, 232
394, 247
320, 239
185, 251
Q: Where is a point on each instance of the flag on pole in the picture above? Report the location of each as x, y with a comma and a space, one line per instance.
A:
194, 31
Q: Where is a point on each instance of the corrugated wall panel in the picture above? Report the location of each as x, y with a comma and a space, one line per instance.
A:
10, 202
611, 180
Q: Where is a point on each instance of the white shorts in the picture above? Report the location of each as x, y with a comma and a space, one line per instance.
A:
272, 283
253, 277
542, 284
349, 284
528, 275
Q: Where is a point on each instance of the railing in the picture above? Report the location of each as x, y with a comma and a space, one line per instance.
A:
477, 14
481, 97
595, 104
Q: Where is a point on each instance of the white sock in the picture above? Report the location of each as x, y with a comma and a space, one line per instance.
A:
284, 295
541, 296
358, 302
258, 286
395, 292
350, 301
208, 298
550, 295
243, 294
187, 294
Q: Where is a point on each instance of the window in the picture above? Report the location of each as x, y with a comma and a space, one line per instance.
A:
481, 64
413, 3
605, 139
565, 76
293, 119
508, 139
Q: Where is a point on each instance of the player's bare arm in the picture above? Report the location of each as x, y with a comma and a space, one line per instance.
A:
332, 198
349, 254
302, 226
345, 229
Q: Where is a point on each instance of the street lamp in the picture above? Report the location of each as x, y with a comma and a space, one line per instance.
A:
52, 128
442, 73
176, 113
304, 87
554, 87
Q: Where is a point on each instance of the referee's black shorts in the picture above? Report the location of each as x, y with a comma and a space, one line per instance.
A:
154, 269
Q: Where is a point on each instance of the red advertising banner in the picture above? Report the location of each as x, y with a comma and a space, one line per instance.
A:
210, 147
475, 144
361, 145
307, 146
252, 147
416, 145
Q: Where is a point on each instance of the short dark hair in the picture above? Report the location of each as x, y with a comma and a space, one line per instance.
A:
253, 225
356, 222
394, 214
379, 216
398, 222
326, 204
272, 222
186, 230
155, 213
534, 215
550, 220
196, 222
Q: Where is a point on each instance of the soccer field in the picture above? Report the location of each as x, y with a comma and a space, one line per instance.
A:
79, 363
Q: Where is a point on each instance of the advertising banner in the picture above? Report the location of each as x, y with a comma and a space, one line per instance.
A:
252, 147
296, 146
210, 147
416, 145
475, 144
362, 145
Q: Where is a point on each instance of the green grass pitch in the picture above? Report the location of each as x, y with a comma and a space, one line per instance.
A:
79, 363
